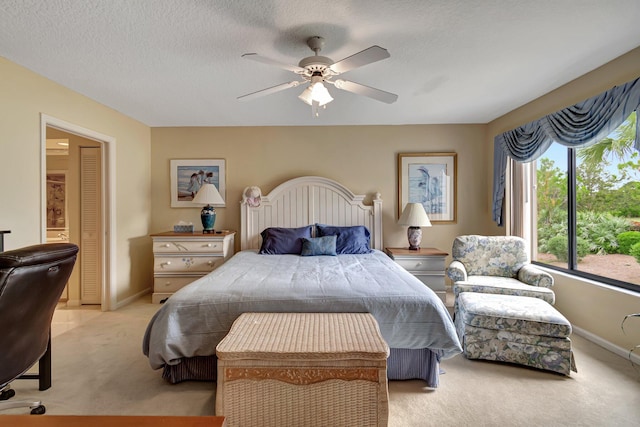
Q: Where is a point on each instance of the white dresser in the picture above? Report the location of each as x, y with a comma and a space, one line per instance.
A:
427, 264
181, 258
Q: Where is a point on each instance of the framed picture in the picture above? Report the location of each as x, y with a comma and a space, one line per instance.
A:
430, 179
187, 176
56, 200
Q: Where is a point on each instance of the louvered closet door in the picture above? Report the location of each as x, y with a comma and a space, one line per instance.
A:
90, 226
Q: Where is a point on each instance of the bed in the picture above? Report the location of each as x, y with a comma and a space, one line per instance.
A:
182, 336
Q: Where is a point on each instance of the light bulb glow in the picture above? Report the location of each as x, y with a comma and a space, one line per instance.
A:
316, 92
321, 94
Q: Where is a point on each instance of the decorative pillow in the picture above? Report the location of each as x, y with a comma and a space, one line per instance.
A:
280, 240
349, 240
319, 246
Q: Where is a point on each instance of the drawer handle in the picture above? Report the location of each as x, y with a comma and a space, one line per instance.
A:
419, 264
162, 264
166, 245
168, 284
210, 263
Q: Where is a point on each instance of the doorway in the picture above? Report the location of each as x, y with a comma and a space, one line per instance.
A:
82, 211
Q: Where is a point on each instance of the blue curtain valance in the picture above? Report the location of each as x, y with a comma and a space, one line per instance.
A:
582, 124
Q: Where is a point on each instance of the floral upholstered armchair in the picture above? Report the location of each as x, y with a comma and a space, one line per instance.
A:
497, 265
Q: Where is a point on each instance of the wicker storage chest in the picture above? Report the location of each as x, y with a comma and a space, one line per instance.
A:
303, 369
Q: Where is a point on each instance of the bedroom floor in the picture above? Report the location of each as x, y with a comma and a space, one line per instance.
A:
99, 368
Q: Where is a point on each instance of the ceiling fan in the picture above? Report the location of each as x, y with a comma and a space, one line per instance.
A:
317, 70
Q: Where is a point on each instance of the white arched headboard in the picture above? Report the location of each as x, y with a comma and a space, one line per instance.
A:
309, 200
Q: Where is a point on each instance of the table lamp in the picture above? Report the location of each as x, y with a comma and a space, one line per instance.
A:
415, 217
208, 195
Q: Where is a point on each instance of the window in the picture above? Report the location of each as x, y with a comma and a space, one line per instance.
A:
587, 209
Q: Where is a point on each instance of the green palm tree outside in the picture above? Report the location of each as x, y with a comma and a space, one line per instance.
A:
620, 147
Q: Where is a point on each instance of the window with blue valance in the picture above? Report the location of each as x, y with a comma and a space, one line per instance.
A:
582, 124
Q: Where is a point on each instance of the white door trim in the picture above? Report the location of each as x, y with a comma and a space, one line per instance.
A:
108, 186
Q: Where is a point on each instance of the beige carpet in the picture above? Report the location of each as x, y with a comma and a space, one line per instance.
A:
99, 368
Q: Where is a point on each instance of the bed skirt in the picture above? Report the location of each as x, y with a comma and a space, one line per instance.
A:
403, 364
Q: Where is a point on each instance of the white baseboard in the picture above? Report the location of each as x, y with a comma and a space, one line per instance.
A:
132, 298
623, 352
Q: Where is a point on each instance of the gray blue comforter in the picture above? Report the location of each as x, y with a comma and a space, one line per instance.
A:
194, 320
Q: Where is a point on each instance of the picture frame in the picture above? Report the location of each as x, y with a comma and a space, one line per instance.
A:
57, 200
187, 177
430, 179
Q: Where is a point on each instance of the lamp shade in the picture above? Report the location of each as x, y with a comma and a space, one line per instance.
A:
414, 215
208, 195
305, 96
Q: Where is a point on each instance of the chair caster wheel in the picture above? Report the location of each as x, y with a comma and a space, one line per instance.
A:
38, 410
7, 394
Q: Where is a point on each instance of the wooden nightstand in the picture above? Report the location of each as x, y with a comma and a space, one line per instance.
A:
181, 258
427, 264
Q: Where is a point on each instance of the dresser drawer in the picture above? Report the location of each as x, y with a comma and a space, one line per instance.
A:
434, 281
193, 246
421, 263
160, 297
181, 258
186, 264
171, 283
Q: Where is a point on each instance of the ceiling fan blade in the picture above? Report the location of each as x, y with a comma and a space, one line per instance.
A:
268, 91
371, 92
268, 61
367, 56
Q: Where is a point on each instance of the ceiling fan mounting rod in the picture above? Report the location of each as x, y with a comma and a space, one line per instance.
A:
315, 43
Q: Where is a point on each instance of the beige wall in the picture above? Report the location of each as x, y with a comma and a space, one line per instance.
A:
594, 308
361, 157
25, 96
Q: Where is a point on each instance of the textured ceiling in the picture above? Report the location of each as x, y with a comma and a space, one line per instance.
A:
178, 62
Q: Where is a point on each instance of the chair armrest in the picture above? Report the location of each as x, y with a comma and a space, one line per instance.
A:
456, 271
532, 275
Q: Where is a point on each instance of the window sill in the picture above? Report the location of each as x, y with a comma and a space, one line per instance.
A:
586, 280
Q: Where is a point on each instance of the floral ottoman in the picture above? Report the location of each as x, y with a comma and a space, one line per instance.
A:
515, 329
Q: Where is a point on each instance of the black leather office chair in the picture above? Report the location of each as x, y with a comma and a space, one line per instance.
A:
31, 282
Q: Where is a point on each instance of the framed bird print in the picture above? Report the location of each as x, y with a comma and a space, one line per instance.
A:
429, 179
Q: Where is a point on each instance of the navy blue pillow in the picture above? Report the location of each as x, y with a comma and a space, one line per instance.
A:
319, 246
279, 240
349, 240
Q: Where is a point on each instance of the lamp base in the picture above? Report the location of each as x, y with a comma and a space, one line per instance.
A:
208, 217
414, 234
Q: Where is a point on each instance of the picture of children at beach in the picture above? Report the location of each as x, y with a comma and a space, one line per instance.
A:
188, 177
191, 178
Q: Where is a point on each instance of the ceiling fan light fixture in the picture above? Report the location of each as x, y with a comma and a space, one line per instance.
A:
320, 93
316, 92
